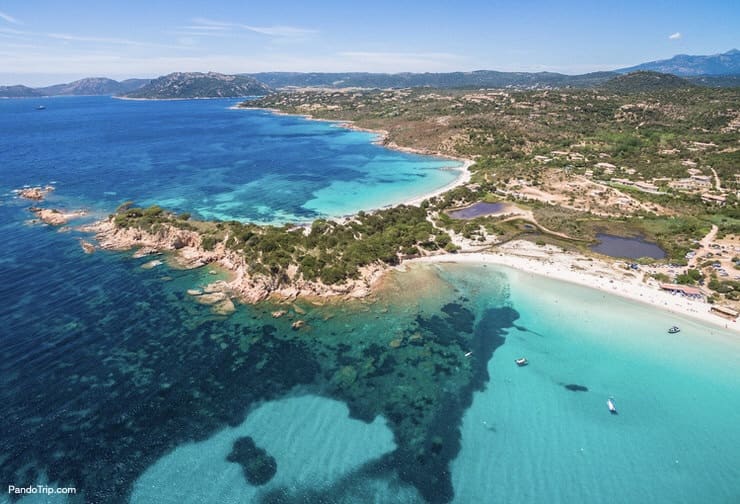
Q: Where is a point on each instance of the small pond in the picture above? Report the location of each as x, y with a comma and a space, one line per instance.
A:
632, 248
477, 210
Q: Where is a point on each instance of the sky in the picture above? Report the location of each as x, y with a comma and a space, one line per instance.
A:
46, 42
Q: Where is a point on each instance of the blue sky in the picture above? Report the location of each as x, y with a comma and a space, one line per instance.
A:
44, 42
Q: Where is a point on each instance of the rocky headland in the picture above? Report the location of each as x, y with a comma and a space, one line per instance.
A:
186, 248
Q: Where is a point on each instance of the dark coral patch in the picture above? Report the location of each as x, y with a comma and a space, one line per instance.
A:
259, 466
574, 387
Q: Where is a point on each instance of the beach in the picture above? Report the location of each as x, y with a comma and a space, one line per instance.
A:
551, 262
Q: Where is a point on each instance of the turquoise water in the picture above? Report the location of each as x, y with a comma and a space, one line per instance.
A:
114, 381
529, 439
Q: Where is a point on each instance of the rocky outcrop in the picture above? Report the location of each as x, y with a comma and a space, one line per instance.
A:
55, 217
34, 193
186, 246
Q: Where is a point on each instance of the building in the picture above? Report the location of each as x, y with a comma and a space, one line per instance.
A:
647, 187
711, 198
622, 181
725, 312
684, 290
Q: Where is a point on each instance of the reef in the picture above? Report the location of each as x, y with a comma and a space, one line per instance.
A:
259, 466
574, 387
140, 397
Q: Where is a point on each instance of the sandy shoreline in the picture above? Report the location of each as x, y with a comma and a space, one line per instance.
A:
552, 263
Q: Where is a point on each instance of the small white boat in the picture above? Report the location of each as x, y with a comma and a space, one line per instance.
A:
612, 407
468, 354
41, 107
521, 361
674, 330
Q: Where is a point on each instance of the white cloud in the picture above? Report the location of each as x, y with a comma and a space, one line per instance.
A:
10, 19
210, 27
280, 31
675, 36
99, 40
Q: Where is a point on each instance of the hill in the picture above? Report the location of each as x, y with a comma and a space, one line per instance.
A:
18, 92
199, 85
644, 81
685, 65
92, 86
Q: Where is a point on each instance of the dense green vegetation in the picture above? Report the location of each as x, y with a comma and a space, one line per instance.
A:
327, 251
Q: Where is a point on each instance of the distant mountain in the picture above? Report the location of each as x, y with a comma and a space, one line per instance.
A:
684, 65
643, 81
200, 85
477, 79
92, 86
18, 92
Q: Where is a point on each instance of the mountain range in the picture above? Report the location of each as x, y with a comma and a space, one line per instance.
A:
713, 70
199, 85
684, 65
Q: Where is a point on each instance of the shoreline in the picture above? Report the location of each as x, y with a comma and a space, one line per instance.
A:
382, 135
585, 271
547, 261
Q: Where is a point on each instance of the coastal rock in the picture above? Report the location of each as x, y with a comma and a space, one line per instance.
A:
298, 324
145, 251
55, 217
225, 307
34, 193
211, 298
87, 247
151, 264
278, 313
194, 292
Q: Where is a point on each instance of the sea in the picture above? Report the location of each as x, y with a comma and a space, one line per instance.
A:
115, 383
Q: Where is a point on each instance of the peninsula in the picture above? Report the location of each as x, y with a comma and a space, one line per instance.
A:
638, 157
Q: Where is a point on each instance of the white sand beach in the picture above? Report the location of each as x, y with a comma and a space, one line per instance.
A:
611, 277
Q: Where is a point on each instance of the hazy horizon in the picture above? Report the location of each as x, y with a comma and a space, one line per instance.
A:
41, 44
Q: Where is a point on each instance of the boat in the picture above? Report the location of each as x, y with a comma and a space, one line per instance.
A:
521, 361
612, 407
468, 354
673, 330
41, 107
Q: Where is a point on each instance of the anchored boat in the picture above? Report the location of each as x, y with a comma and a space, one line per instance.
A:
673, 330
521, 361
612, 407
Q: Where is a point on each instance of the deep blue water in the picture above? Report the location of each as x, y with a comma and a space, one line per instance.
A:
202, 157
